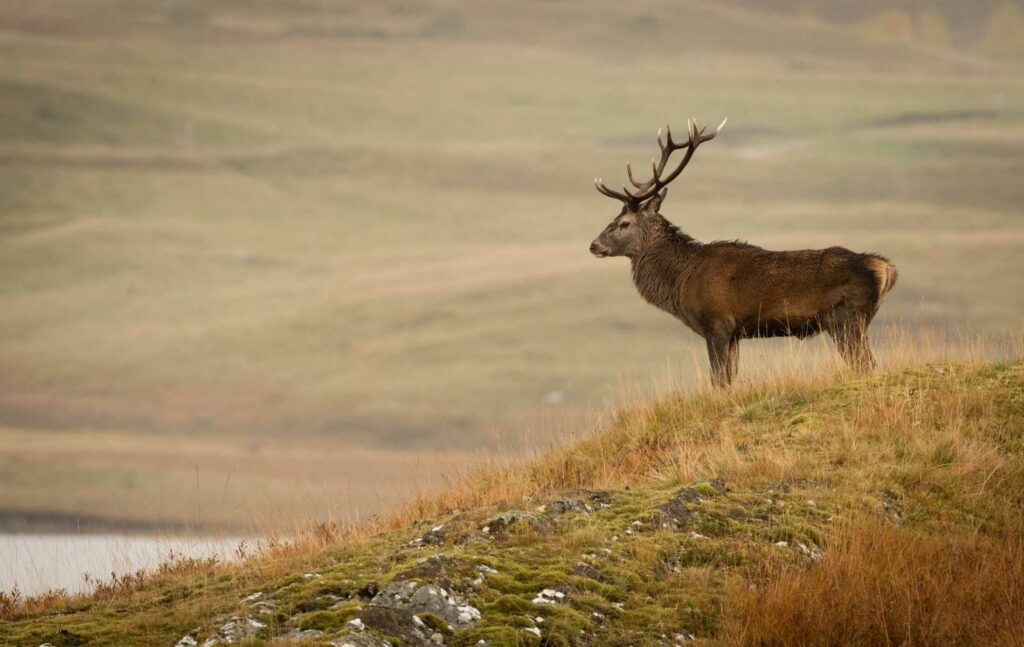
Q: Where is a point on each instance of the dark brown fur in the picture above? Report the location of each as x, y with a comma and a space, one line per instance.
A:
728, 291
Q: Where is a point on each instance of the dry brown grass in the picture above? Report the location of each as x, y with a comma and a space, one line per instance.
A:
881, 584
894, 431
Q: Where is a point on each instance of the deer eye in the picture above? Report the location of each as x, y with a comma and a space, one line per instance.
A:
624, 225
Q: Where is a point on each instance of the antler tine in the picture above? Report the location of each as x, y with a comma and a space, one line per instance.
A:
629, 172
627, 198
695, 137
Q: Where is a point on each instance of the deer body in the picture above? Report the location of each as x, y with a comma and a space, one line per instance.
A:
728, 291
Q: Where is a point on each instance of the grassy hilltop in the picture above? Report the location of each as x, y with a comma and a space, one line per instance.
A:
864, 511
270, 243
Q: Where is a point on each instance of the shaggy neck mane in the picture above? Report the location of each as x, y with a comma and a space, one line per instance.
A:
662, 266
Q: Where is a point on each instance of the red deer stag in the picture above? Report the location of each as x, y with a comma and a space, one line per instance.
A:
728, 291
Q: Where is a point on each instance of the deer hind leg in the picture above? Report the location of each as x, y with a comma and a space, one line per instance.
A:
721, 355
733, 364
850, 333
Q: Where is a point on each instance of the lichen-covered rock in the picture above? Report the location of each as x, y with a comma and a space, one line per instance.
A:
415, 598
359, 640
395, 622
586, 570
675, 513
500, 522
567, 505
300, 635
433, 537
235, 631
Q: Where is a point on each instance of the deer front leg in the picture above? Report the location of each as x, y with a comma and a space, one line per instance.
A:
719, 355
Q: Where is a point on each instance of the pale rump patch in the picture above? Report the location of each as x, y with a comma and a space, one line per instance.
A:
885, 273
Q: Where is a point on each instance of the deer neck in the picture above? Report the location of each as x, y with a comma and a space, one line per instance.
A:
663, 265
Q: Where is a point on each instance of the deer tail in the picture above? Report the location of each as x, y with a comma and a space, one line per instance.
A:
885, 273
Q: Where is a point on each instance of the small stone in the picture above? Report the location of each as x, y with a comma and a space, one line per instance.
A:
258, 595
186, 641
468, 613
782, 544
264, 606
437, 638
539, 620
356, 624
310, 576
697, 535
417, 621
533, 630
308, 634
809, 503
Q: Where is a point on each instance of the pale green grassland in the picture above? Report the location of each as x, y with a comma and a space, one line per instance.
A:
367, 227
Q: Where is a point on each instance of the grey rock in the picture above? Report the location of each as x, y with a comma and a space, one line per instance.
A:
359, 640
675, 513
416, 598
395, 622
500, 522
586, 570
435, 536
234, 631
299, 635
567, 505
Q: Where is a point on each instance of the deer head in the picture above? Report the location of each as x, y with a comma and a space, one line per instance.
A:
629, 232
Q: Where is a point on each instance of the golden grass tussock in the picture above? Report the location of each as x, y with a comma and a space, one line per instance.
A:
749, 434
882, 584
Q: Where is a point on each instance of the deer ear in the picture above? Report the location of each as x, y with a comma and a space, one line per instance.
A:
654, 204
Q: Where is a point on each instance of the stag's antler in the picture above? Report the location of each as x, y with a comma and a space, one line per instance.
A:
649, 188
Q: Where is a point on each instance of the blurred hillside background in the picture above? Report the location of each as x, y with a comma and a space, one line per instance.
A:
263, 261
